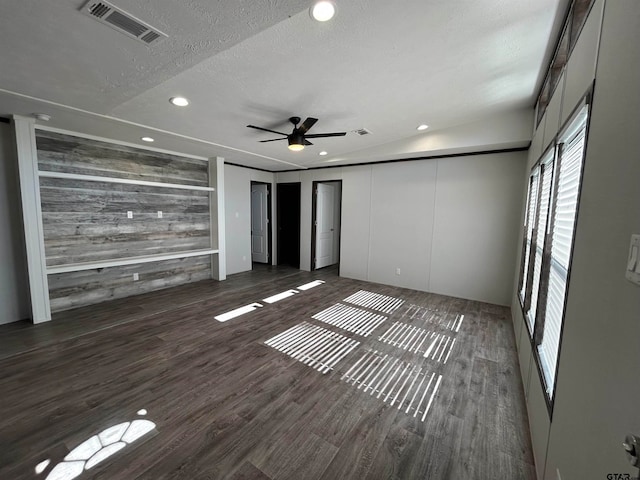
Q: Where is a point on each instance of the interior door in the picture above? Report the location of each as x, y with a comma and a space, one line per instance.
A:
325, 227
259, 223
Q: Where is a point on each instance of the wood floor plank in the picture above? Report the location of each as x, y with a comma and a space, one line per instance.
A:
396, 455
226, 405
340, 417
298, 454
248, 471
357, 453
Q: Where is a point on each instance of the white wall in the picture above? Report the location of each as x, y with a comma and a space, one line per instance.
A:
401, 223
602, 324
476, 225
598, 391
463, 210
14, 290
237, 197
356, 212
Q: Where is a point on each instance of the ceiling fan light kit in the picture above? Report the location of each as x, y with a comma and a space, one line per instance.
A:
296, 142
297, 139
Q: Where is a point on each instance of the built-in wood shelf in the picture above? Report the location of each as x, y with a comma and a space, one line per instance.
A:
119, 262
128, 181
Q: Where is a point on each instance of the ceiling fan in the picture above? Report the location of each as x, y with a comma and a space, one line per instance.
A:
298, 137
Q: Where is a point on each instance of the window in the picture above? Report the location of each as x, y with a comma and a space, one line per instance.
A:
552, 205
546, 174
532, 197
573, 23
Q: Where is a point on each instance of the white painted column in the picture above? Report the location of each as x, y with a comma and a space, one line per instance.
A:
216, 180
24, 130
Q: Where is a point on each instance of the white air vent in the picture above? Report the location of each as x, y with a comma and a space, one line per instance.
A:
122, 21
362, 131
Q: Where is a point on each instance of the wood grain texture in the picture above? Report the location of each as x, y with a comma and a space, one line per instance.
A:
226, 406
65, 153
86, 221
89, 287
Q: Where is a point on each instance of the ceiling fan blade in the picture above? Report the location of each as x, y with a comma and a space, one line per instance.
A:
307, 124
272, 140
320, 135
307, 142
267, 130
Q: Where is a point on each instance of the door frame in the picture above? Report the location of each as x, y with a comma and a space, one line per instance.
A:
314, 201
269, 221
278, 237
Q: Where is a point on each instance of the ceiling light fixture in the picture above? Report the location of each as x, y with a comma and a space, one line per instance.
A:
179, 101
323, 11
296, 142
44, 117
322, 153
147, 139
422, 127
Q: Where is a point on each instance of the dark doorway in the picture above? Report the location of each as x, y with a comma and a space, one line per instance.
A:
288, 210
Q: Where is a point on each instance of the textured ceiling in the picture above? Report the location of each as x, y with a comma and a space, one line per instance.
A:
386, 66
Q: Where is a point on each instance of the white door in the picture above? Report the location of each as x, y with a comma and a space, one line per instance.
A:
259, 223
325, 225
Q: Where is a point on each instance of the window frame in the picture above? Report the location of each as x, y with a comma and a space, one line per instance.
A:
536, 334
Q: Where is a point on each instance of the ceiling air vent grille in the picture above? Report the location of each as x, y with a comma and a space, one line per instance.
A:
362, 131
99, 10
150, 37
122, 21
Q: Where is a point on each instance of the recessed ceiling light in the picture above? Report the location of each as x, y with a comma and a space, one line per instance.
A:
323, 11
179, 101
147, 139
422, 127
322, 153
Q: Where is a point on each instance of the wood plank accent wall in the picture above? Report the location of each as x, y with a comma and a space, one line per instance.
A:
64, 153
88, 287
86, 221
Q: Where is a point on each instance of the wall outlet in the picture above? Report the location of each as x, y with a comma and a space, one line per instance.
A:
159, 213
129, 214
136, 277
397, 271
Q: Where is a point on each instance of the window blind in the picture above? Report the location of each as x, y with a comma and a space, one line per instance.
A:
530, 222
566, 203
545, 193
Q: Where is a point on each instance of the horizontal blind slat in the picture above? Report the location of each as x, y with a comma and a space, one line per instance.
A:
545, 194
566, 204
530, 221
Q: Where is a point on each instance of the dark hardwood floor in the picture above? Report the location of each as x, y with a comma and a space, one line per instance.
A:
433, 391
